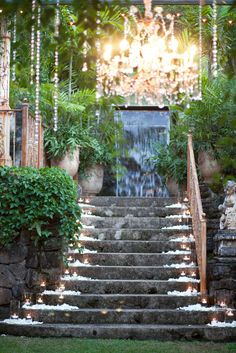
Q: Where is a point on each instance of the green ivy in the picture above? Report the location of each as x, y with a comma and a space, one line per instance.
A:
33, 199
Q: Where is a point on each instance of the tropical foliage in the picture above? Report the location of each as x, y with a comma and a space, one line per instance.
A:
33, 199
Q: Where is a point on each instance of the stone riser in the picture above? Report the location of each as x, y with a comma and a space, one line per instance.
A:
139, 332
134, 234
132, 222
117, 246
121, 259
104, 316
113, 301
133, 211
111, 201
119, 272
126, 286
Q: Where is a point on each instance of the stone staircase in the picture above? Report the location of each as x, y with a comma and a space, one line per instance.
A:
131, 273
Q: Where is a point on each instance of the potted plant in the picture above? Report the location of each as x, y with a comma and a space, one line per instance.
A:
93, 159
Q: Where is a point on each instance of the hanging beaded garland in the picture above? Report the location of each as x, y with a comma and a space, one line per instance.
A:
85, 44
56, 80
98, 49
37, 76
32, 44
200, 51
214, 39
14, 49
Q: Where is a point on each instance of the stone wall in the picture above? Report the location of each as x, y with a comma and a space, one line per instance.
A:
24, 265
221, 250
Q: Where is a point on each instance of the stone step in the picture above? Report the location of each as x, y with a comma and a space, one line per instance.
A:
138, 331
102, 286
133, 259
129, 301
131, 211
124, 246
137, 272
132, 222
134, 233
124, 316
111, 201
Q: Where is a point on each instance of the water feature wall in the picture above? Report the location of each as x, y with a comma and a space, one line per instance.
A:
143, 129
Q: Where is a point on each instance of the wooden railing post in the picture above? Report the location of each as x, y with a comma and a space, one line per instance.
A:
25, 134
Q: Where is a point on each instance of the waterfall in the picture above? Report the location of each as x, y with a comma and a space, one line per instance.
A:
142, 130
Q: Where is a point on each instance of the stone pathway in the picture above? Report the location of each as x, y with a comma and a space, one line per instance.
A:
133, 275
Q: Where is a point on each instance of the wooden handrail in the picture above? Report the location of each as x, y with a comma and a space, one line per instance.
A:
198, 217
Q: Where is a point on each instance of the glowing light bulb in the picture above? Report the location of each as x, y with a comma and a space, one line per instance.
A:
173, 45
107, 53
124, 45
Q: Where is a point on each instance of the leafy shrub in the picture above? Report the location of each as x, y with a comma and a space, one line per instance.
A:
33, 199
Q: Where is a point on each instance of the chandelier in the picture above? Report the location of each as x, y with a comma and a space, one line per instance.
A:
149, 66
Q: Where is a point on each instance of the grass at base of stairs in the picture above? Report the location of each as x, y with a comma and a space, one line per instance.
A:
10, 344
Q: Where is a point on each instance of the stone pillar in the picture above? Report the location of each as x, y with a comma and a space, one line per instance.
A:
5, 46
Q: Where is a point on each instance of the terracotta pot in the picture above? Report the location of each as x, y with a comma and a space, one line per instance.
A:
173, 188
92, 183
208, 166
70, 162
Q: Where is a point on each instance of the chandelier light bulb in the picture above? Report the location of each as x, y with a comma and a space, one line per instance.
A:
107, 52
124, 45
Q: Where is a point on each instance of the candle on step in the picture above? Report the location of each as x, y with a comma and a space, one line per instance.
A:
86, 261
43, 284
185, 199
183, 246
222, 304
182, 273
81, 200
61, 296
74, 274
214, 321
186, 258
40, 300
70, 258
61, 287
28, 317
67, 272
14, 316
204, 302
87, 200
193, 274
27, 301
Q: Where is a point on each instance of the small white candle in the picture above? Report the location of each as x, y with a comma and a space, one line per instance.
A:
185, 199
186, 258
61, 296
70, 258
15, 316
229, 313
61, 288
28, 317
87, 201
214, 321
27, 301
43, 284
67, 272
81, 200
74, 274
183, 246
86, 261
40, 300
204, 301
193, 274
222, 304
182, 273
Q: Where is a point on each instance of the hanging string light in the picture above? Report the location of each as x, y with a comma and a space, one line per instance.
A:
56, 55
214, 39
98, 48
32, 44
200, 50
14, 49
85, 44
37, 76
